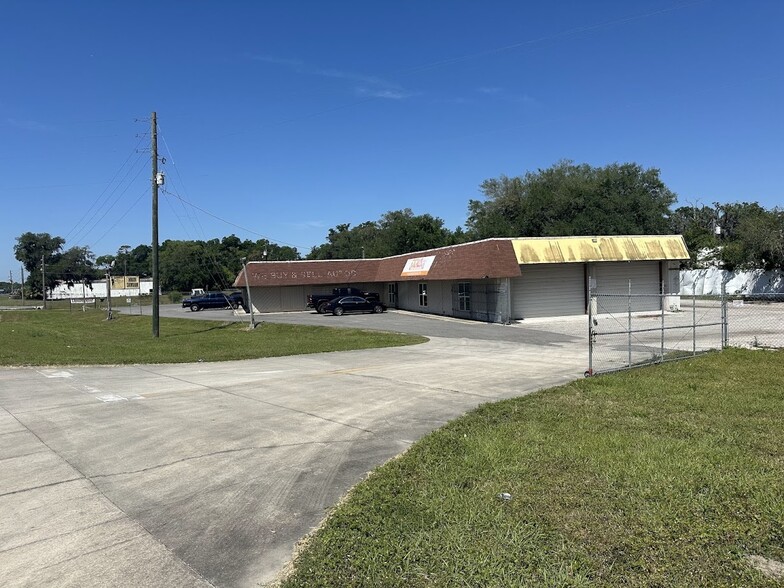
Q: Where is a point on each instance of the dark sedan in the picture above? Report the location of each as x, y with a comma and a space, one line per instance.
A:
340, 305
213, 300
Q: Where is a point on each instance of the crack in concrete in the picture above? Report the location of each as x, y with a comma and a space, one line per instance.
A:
21, 490
152, 537
252, 399
60, 535
426, 386
92, 551
213, 453
21, 455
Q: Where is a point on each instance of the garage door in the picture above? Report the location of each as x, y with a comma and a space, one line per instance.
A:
267, 299
279, 298
614, 277
548, 290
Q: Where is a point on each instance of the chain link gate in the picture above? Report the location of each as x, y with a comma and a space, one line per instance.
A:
627, 330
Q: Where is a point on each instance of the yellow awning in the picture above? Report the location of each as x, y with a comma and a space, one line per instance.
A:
584, 249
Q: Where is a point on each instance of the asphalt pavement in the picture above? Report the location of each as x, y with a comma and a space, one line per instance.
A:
208, 474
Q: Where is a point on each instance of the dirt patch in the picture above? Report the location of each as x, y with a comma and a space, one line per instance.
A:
768, 567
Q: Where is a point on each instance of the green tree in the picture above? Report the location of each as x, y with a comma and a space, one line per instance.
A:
698, 227
396, 232
140, 261
184, 265
212, 264
104, 261
74, 265
33, 248
401, 231
569, 199
344, 242
752, 237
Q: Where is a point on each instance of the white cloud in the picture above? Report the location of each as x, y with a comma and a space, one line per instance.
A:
502, 94
277, 60
29, 125
387, 93
372, 85
308, 225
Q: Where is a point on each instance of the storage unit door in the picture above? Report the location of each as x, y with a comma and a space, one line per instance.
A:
613, 278
293, 298
549, 290
266, 298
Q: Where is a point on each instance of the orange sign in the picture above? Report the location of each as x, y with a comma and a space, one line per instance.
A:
418, 266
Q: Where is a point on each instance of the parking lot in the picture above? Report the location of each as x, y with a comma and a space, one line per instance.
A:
209, 474
537, 331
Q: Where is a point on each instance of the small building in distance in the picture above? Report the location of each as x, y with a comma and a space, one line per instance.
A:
122, 287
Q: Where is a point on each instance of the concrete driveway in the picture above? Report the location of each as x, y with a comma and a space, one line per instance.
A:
208, 474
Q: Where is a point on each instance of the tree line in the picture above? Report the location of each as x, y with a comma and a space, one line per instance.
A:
566, 199
182, 265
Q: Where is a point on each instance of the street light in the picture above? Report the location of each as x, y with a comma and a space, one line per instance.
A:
247, 290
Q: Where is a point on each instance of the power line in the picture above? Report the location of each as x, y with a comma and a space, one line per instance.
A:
209, 262
184, 201
119, 220
134, 151
220, 278
84, 232
251, 231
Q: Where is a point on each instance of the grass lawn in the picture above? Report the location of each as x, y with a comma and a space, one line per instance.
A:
670, 475
57, 337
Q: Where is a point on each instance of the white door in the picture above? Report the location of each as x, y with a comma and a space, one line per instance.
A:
612, 278
549, 290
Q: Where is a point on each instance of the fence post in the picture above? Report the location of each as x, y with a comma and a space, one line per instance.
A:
725, 327
630, 323
694, 318
590, 330
661, 302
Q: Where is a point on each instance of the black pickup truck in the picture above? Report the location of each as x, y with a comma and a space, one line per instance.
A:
213, 300
319, 301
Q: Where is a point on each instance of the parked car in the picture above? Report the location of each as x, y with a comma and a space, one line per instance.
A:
213, 300
320, 301
340, 305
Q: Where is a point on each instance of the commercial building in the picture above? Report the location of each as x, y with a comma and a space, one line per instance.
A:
494, 280
122, 287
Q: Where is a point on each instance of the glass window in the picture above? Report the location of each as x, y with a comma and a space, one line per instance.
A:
422, 294
464, 295
391, 294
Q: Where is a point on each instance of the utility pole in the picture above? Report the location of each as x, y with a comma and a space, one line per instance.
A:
109, 294
22, 288
155, 277
247, 290
43, 278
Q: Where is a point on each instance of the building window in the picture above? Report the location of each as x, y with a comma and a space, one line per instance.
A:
422, 294
392, 294
464, 295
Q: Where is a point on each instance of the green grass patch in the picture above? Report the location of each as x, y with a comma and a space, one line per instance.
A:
664, 476
78, 338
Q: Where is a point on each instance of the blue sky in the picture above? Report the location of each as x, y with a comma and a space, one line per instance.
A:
288, 118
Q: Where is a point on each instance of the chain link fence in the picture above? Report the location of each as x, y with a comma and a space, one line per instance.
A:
628, 329
756, 320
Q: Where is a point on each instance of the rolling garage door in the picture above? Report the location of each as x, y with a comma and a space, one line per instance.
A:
266, 299
614, 277
549, 290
